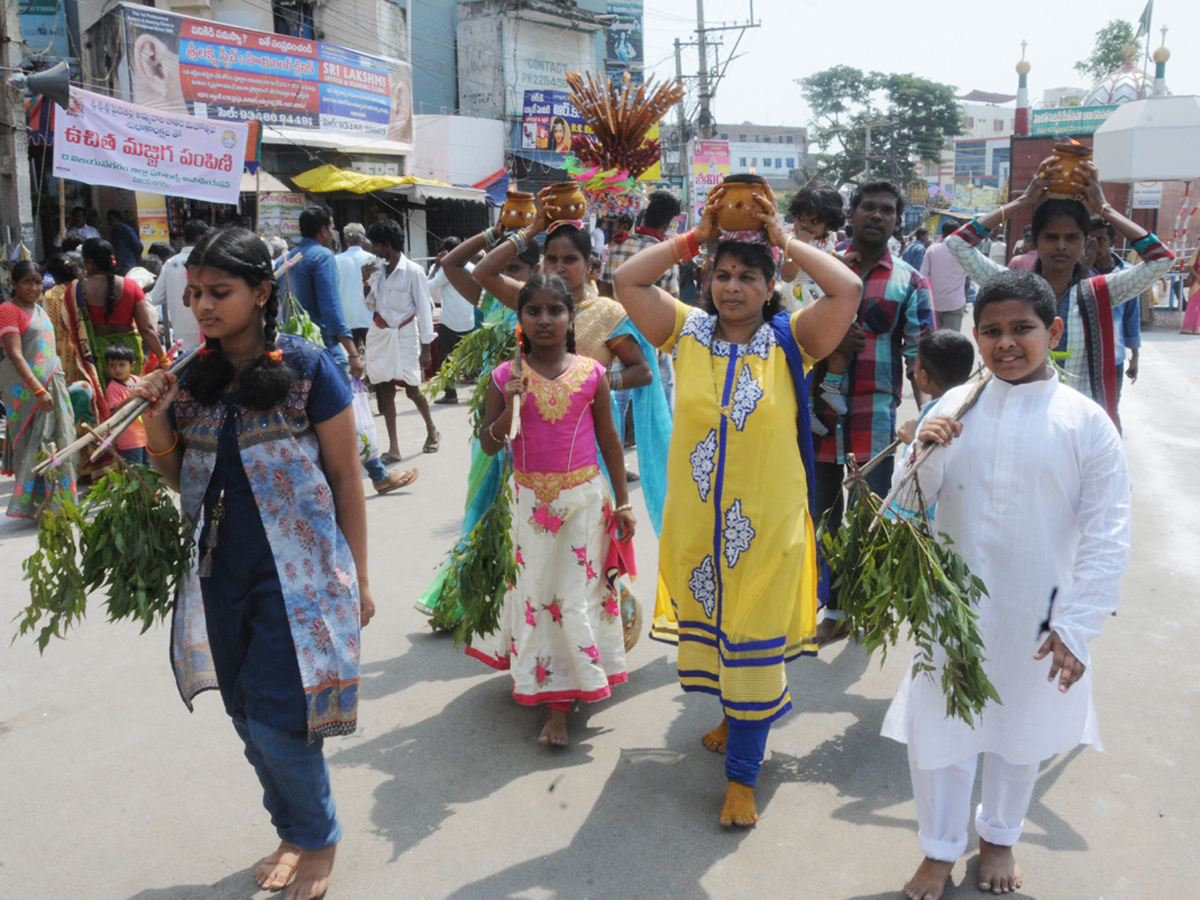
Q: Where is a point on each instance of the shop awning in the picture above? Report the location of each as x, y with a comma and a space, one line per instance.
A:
324, 179
264, 181
303, 137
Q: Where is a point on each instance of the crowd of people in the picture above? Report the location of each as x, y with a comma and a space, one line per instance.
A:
747, 408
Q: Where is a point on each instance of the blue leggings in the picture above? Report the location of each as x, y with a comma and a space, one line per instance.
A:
744, 750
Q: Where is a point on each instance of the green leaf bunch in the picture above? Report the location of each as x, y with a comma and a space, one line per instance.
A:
297, 321
482, 566
479, 352
127, 537
900, 577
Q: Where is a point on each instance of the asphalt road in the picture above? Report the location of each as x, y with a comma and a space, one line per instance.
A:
112, 790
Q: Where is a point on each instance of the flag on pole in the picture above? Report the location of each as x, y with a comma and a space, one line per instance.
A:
1144, 21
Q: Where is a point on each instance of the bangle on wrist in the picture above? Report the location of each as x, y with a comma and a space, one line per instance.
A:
1105, 210
492, 435
174, 444
624, 507
691, 245
352, 356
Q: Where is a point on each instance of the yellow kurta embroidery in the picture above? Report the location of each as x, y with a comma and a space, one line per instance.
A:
737, 559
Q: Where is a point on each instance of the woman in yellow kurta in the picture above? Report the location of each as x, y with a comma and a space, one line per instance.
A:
737, 558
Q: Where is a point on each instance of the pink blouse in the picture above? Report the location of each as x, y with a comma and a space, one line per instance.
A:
558, 432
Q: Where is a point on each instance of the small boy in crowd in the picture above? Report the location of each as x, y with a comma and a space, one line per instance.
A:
131, 444
1032, 488
944, 361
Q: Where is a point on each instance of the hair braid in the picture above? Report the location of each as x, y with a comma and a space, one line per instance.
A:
110, 301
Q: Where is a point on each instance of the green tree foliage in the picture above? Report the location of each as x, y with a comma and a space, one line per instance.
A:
913, 118
1109, 52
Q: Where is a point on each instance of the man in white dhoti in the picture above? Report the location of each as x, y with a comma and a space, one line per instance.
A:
400, 333
1033, 489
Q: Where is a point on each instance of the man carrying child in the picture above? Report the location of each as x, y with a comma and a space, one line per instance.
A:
1033, 490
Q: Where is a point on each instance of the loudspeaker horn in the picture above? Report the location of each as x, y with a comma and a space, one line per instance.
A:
54, 83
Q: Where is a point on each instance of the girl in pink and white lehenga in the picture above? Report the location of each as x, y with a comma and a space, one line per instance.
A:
560, 631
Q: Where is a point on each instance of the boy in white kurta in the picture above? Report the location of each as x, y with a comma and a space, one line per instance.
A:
1032, 487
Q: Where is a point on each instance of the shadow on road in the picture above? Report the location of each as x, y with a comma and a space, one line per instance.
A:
479, 743
238, 886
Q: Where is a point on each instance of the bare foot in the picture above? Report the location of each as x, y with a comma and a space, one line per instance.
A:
312, 874
929, 881
998, 869
555, 731
739, 806
274, 872
716, 739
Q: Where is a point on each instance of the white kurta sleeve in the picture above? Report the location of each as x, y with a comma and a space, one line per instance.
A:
1100, 560
420, 289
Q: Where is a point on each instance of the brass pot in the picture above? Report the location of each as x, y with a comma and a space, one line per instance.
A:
566, 201
1069, 156
738, 205
518, 211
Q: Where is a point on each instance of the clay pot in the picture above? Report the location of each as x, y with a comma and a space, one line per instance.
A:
518, 211
1069, 156
738, 204
566, 201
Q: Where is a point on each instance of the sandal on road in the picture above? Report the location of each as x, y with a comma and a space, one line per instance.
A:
395, 480
389, 458
432, 443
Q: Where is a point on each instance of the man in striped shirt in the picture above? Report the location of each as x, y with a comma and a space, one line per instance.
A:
896, 309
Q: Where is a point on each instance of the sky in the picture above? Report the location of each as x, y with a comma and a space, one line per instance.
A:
971, 47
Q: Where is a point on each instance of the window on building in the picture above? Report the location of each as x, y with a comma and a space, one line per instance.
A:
789, 139
741, 137
742, 162
970, 121
724, 137
758, 138
778, 163
294, 18
998, 125
791, 162
767, 163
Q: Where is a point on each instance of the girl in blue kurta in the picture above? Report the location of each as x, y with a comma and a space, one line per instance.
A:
259, 438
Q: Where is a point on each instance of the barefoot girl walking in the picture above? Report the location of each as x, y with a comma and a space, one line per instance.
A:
259, 438
560, 629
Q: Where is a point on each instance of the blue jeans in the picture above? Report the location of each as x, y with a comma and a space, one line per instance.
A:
376, 470
295, 783
744, 750
136, 456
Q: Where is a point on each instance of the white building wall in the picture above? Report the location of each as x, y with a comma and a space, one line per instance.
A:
457, 149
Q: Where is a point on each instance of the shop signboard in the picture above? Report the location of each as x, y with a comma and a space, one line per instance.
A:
153, 225
44, 31
549, 120
710, 165
102, 140
623, 38
1147, 195
1068, 119
220, 72
279, 214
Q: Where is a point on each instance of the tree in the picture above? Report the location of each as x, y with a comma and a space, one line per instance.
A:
1109, 52
909, 117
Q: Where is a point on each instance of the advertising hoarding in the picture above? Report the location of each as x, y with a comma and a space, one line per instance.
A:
710, 165
102, 140
216, 71
548, 121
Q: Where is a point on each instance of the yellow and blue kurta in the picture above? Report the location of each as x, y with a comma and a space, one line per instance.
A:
737, 558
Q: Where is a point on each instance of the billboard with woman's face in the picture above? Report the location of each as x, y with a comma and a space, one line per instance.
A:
217, 71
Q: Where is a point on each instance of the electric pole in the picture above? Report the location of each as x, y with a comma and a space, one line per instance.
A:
16, 204
704, 119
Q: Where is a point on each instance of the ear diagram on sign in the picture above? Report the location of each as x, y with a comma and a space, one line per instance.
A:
149, 64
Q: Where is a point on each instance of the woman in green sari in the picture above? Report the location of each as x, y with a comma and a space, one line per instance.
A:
486, 473
104, 308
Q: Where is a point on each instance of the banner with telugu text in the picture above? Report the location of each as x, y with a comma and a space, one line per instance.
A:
101, 140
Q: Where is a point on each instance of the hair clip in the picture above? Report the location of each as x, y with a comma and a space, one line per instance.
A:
276, 355
520, 334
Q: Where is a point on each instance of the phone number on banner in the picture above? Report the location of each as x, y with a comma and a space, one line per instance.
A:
267, 117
